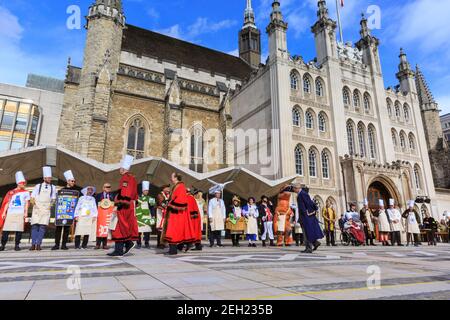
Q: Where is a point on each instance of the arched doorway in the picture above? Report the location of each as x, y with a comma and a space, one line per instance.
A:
377, 190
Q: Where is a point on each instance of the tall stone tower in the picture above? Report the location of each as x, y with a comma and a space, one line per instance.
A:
324, 34
438, 149
250, 39
277, 30
105, 24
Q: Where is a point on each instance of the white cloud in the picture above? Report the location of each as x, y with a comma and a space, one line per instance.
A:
152, 13
234, 52
10, 27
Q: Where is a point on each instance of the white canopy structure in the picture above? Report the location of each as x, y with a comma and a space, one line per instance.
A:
156, 170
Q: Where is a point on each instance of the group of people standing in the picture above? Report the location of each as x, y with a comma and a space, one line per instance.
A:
177, 214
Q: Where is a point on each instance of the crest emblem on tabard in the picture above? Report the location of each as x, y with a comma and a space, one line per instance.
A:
106, 204
125, 184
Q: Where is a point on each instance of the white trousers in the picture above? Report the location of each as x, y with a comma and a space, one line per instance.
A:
268, 230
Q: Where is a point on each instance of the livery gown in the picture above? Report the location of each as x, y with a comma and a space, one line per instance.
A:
195, 219
127, 226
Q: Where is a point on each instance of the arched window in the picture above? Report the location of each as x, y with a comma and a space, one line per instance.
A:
319, 88
346, 96
406, 112
309, 120
325, 165
397, 110
294, 80
389, 107
356, 99
351, 138
306, 84
322, 123
372, 145
136, 139
296, 117
394, 138
412, 142
196, 163
402, 140
417, 177
312, 164
299, 160
366, 103
361, 140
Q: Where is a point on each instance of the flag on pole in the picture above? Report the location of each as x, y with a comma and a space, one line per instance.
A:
342, 3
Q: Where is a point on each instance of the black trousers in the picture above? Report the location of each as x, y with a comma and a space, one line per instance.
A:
298, 237
235, 239
396, 238
216, 235
431, 237
330, 237
102, 242
412, 237
369, 235
146, 238
64, 230
158, 238
78, 242
5, 236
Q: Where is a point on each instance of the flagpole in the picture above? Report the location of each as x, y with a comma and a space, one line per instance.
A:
339, 21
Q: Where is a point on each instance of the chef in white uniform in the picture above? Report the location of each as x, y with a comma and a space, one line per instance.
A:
86, 214
42, 198
384, 227
217, 216
412, 225
16, 212
395, 218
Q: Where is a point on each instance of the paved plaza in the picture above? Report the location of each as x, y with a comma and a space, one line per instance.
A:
229, 273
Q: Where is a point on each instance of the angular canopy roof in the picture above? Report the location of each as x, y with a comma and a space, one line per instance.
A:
157, 170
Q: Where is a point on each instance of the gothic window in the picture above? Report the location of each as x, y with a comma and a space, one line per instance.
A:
351, 138
296, 117
372, 146
394, 139
346, 96
402, 140
322, 123
312, 164
406, 112
367, 103
196, 163
299, 160
294, 80
397, 111
361, 140
417, 177
356, 99
389, 107
309, 120
136, 139
319, 88
306, 84
412, 142
325, 165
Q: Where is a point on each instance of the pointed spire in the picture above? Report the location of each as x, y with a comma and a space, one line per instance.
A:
404, 64
424, 92
322, 13
276, 14
365, 31
249, 16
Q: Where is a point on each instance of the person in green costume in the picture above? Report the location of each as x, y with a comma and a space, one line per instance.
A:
145, 215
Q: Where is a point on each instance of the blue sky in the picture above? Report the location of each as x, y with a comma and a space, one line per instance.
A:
34, 37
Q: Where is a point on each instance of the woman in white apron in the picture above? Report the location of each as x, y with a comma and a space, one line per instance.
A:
86, 218
250, 212
384, 227
412, 226
217, 216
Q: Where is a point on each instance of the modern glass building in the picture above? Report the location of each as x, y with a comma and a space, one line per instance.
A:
19, 123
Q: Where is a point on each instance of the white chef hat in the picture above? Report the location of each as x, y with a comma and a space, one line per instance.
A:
366, 202
145, 185
391, 202
127, 162
47, 172
411, 203
69, 175
20, 177
381, 202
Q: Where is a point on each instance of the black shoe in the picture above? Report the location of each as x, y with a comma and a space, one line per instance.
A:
188, 247
147, 245
249, 245
17, 248
307, 251
263, 243
401, 245
115, 254
128, 247
316, 245
211, 245
2, 248
55, 248
64, 248
33, 248
254, 245
272, 244
138, 246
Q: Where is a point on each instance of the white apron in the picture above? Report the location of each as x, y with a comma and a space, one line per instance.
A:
42, 206
396, 226
86, 226
252, 225
370, 224
281, 223
15, 219
217, 219
383, 222
200, 205
411, 224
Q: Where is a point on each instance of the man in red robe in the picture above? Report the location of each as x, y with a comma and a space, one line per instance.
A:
195, 227
126, 231
177, 225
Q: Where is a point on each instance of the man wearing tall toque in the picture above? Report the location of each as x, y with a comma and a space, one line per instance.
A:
42, 199
14, 211
126, 230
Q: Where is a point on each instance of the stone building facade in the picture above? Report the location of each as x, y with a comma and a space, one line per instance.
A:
140, 92
336, 126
